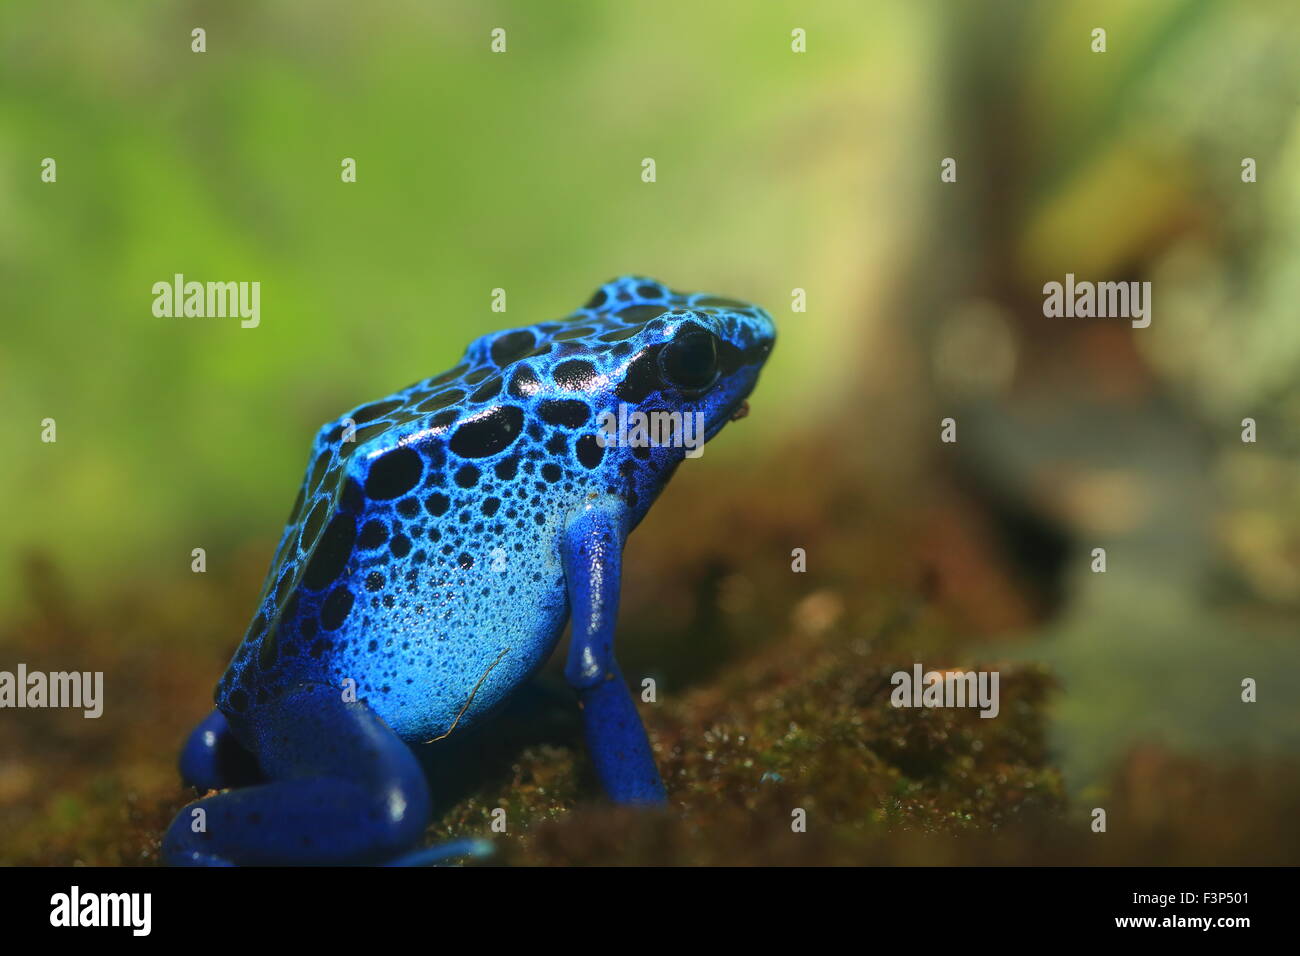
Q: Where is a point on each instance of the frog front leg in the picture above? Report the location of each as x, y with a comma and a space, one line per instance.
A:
592, 554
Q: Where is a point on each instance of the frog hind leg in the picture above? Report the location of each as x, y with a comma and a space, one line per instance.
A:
592, 552
212, 759
341, 788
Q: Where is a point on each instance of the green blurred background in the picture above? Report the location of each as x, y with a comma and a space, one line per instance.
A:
475, 171
775, 171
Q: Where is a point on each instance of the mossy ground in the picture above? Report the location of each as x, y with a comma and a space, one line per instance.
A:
772, 695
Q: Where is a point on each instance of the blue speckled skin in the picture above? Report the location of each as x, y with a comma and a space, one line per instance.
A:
439, 543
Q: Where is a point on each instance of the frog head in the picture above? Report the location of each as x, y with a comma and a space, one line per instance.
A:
699, 358
638, 354
643, 376
664, 372
658, 352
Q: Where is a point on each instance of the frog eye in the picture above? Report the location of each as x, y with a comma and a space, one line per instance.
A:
690, 361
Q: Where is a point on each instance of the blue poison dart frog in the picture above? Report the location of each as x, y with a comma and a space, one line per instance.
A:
441, 539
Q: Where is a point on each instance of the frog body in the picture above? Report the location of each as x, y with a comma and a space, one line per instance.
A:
439, 544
